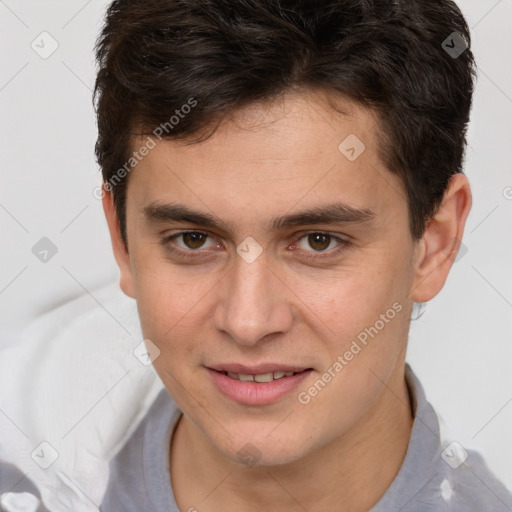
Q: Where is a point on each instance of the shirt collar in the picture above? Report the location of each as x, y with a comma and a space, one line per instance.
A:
419, 466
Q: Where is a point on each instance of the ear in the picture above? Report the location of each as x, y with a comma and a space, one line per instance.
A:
441, 240
118, 246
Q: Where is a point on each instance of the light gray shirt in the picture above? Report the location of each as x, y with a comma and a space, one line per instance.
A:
432, 477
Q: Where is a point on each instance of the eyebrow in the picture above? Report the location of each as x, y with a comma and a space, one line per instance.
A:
335, 213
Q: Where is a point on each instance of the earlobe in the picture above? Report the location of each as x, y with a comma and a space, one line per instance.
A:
118, 246
441, 241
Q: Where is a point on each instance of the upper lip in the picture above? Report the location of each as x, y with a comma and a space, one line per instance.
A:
258, 369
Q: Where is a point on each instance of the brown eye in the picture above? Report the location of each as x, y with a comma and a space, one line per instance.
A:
194, 239
321, 245
319, 241
190, 245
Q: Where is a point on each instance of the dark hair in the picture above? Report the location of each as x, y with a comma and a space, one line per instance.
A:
409, 60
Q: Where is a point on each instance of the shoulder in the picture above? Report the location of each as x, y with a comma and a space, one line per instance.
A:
438, 476
470, 483
470, 487
139, 475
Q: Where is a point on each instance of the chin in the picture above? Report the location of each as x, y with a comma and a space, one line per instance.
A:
262, 449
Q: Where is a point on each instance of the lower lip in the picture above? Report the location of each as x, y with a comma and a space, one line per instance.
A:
256, 393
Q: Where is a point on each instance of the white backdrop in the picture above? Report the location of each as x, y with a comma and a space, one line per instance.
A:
460, 348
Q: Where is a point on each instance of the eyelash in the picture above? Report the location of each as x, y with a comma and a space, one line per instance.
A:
313, 255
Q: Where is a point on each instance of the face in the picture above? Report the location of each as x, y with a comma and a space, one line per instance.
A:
260, 284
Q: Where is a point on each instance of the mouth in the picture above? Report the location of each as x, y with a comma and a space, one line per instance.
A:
261, 385
261, 377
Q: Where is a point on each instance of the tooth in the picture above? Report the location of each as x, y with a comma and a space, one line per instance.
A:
264, 377
245, 378
278, 375
288, 374
233, 375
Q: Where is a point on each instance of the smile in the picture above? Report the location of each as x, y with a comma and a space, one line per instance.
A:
262, 377
258, 388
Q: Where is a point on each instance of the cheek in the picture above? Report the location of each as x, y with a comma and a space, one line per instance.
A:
164, 298
370, 328
363, 317
165, 291
358, 293
169, 309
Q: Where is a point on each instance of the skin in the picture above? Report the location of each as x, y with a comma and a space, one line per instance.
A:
265, 161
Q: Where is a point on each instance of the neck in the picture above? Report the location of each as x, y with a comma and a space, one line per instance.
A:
345, 475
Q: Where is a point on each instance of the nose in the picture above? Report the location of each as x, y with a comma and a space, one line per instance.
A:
253, 303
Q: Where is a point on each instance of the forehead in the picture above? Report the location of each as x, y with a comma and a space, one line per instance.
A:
272, 157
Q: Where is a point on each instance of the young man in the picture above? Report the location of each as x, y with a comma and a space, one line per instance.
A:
283, 181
